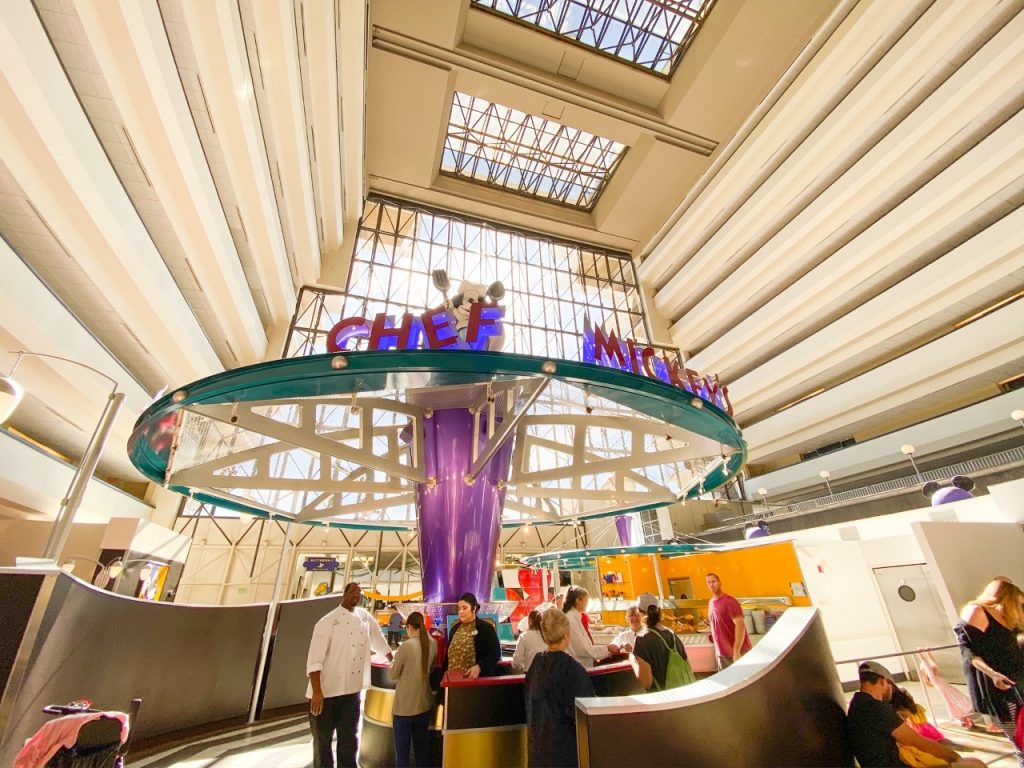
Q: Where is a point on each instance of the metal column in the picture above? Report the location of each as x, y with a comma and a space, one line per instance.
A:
268, 629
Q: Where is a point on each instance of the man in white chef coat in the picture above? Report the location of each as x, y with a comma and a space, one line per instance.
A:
338, 666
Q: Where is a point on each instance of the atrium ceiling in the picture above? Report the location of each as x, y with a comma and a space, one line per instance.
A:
823, 197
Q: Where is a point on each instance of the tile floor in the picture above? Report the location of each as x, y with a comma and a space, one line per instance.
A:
286, 744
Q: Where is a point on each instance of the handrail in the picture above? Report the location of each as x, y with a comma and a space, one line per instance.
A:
915, 652
900, 653
1007, 458
1002, 458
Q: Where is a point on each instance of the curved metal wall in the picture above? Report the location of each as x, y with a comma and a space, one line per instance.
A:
286, 676
782, 705
190, 664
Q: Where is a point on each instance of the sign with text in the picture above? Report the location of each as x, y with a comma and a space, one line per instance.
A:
438, 329
320, 564
605, 349
434, 329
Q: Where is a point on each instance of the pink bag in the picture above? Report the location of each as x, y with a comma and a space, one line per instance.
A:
957, 703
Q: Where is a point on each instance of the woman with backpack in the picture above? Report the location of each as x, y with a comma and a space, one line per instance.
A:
659, 657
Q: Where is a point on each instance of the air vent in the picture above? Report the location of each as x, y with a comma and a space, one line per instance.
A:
830, 448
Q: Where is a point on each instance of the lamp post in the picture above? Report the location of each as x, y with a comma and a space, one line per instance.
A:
1018, 415
11, 394
763, 493
68, 566
825, 475
908, 451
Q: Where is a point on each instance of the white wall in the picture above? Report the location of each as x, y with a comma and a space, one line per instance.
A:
839, 582
27, 538
963, 545
964, 557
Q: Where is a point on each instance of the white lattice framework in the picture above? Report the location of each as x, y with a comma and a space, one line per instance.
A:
357, 459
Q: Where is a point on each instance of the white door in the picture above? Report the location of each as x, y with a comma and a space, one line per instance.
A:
918, 618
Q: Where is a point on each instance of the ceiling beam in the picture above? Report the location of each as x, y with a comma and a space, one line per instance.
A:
53, 153
216, 35
131, 46
276, 38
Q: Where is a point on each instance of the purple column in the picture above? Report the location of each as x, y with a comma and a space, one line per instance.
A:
458, 523
622, 526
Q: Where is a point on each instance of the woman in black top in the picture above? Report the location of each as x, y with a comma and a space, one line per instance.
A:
650, 652
992, 657
473, 646
553, 683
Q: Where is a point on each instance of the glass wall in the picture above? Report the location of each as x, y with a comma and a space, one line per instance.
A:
550, 286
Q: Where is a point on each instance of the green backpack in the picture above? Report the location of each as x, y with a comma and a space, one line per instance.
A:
678, 671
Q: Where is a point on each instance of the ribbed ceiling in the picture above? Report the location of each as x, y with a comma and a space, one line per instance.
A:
818, 194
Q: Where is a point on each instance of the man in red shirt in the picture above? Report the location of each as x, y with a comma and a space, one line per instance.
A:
727, 628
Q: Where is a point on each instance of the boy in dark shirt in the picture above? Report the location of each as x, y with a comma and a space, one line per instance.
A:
875, 731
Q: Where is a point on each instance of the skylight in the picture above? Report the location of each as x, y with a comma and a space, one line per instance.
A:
653, 34
498, 145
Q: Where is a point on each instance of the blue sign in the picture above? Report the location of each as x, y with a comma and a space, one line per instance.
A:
320, 564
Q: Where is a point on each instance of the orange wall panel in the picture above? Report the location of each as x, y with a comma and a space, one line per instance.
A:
767, 570
637, 574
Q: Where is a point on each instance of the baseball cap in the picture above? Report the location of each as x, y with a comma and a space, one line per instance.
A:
645, 601
875, 668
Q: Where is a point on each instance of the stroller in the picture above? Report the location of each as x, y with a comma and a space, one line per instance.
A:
98, 742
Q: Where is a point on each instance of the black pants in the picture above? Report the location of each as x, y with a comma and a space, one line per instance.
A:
412, 731
341, 714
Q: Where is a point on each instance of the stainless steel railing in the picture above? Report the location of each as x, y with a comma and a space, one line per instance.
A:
1000, 460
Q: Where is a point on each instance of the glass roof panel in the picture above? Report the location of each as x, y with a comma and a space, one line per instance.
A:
653, 34
497, 145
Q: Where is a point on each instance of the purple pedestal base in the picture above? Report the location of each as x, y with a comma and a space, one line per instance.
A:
622, 526
458, 523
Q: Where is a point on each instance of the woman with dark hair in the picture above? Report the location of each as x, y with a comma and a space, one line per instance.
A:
414, 700
529, 645
581, 644
992, 658
651, 650
473, 646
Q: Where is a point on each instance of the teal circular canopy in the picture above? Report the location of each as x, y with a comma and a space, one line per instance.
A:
334, 439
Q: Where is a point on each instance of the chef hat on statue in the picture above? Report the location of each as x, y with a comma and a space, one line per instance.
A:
461, 304
471, 293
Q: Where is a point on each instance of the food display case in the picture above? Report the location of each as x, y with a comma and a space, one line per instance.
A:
692, 615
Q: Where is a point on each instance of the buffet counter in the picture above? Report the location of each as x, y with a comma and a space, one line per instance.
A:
485, 719
481, 722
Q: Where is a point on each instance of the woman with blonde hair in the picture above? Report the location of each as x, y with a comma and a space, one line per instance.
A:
992, 656
553, 683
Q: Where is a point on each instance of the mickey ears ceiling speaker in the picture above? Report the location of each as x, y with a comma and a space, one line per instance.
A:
959, 489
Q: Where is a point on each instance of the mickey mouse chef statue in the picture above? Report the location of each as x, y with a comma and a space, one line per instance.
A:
461, 304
